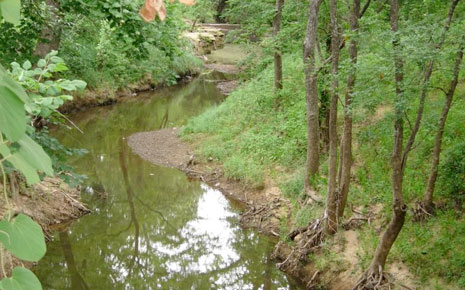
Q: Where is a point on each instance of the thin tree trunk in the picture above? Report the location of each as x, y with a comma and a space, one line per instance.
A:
313, 162
325, 102
331, 202
346, 143
428, 198
324, 118
398, 207
278, 62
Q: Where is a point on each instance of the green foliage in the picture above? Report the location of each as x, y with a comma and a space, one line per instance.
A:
10, 11
28, 157
18, 149
252, 134
60, 155
246, 170
23, 238
20, 235
248, 129
109, 46
453, 173
21, 279
255, 17
203, 11
436, 249
18, 40
294, 187
12, 113
46, 92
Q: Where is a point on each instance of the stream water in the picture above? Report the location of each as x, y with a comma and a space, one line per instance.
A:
151, 227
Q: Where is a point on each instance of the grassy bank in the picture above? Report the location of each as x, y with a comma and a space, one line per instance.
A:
255, 142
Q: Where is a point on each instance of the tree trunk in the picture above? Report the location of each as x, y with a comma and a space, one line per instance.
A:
331, 202
49, 35
428, 198
278, 62
313, 162
219, 10
399, 208
324, 118
346, 143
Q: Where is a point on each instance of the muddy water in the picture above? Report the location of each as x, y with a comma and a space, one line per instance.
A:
152, 227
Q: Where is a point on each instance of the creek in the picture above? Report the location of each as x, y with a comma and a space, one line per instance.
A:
151, 227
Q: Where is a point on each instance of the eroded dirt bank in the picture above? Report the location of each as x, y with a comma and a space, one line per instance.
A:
52, 203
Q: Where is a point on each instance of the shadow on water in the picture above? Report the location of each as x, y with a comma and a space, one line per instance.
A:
152, 227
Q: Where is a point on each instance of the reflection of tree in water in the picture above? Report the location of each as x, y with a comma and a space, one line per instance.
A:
77, 282
130, 195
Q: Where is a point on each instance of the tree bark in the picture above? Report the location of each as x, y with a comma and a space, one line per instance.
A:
313, 162
324, 118
399, 208
428, 198
331, 202
49, 36
278, 62
346, 143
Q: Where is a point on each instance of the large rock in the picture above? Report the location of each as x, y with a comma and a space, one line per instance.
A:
206, 39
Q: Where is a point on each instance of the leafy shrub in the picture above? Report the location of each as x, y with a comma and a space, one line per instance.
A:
46, 95
17, 43
453, 172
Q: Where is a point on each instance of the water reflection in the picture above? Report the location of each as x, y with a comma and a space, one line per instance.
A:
152, 228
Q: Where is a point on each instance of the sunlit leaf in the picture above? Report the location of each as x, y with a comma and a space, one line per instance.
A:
79, 84
29, 159
27, 65
41, 63
11, 11
12, 114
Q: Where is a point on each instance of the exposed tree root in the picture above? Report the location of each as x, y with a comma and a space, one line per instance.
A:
308, 240
421, 212
259, 216
375, 280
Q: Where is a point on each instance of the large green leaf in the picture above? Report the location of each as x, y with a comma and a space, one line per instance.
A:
22, 279
6, 80
11, 10
23, 237
29, 159
12, 114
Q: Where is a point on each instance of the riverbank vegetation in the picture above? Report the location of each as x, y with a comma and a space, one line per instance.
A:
104, 43
353, 109
373, 70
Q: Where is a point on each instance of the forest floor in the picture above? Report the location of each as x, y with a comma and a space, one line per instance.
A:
51, 203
